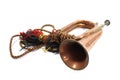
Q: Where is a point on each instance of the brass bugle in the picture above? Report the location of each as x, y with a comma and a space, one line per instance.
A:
74, 53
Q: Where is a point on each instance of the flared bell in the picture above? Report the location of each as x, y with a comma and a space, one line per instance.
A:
75, 53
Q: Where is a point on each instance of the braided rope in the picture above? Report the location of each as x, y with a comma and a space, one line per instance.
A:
28, 50
57, 36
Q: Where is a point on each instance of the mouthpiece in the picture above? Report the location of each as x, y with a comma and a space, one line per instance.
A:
107, 22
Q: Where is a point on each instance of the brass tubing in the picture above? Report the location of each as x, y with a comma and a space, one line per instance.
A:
78, 24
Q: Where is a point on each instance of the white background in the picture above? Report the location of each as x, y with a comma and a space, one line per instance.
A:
20, 15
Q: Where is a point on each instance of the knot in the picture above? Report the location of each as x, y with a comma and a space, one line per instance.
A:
60, 36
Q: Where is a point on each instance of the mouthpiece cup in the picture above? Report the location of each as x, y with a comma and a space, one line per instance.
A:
107, 22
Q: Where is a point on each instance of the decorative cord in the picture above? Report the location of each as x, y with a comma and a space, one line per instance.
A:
35, 39
30, 41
